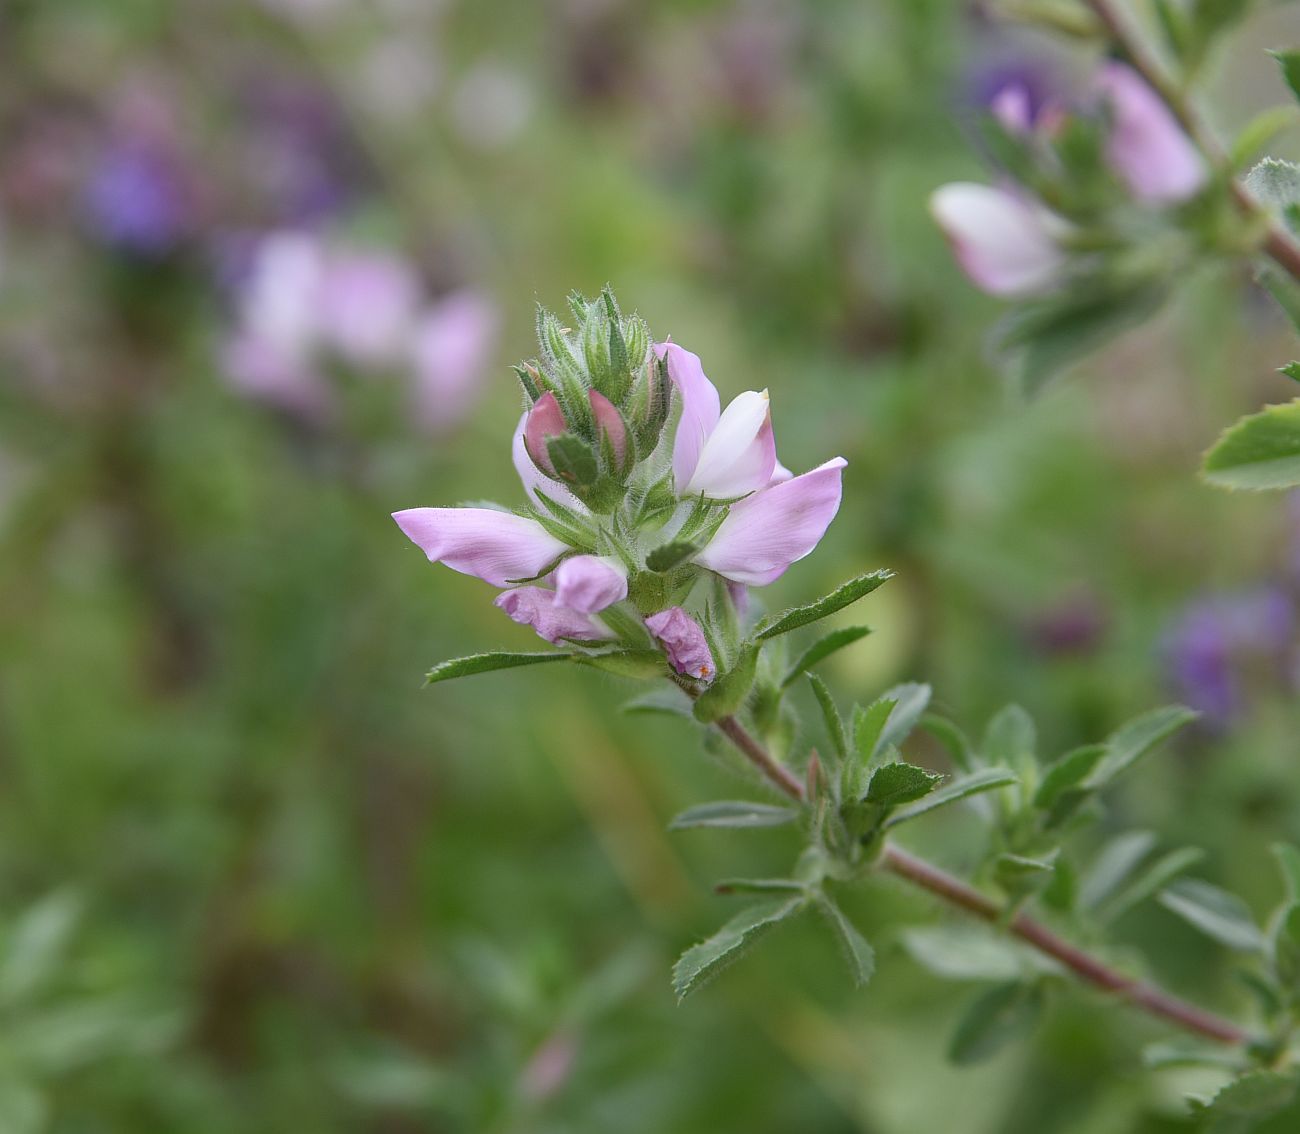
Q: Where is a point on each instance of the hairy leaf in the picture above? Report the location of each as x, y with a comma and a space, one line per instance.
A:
702, 962
910, 702
858, 954
1215, 912
839, 598
986, 779
831, 715
486, 663
894, 784
1261, 451
733, 813
822, 649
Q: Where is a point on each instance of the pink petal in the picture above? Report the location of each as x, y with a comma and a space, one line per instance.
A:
683, 641
1013, 108
537, 607
1147, 148
609, 422
497, 547
1006, 245
766, 532
544, 421
589, 583
739, 455
534, 479
701, 408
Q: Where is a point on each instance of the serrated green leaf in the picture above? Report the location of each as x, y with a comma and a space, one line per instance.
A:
1261, 451
831, 715
1275, 183
700, 963
1113, 865
486, 663
893, 784
1255, 1094
839, 598
822, 649
1131, 741
733, 813
669, 555
1150, 881
643, 664
1215, 912
857, 950
1289, 61
727, 694
986, 779
994, 1019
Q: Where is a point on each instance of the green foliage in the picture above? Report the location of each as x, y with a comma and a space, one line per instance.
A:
733, 813
1215, 912
858, 954
1253, 1096
1289, 61
838, 599
669, 555
821, 649
996, 1018
831, 716
700, 963
963, 787
1261, 451
728, 692
487, 663
893, 784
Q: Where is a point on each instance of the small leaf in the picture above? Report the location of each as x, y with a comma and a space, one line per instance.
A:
868, 725
1261, 451
1011, 739
573, 459
986, 779
1155, 877
702, 962
1289, 61
1129, 743
822, 649
831, 715
893, 784
486, 663
911, 699
963, 951
1255, 1094
733, 813
668, 700
1060, 794
626, 663
759, 886
669, 555
1215, 912
1117, 860
858, 954
1275, 183
839, 598
994, 1019
1290, 370
727, 693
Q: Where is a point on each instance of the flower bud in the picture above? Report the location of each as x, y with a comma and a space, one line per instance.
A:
609, 427
545, 420
683, 641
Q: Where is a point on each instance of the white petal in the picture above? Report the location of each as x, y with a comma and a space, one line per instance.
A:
738, 457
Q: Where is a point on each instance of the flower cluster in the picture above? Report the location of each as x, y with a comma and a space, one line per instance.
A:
1065, 171
306, 304
640, 487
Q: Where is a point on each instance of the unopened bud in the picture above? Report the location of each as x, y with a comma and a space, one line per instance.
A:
609, 427
545, 420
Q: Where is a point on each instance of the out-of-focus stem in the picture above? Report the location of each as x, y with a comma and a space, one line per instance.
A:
903, 864
1277, 243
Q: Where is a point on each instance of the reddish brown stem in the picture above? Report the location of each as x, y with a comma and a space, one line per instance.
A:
954, 891
1277, 243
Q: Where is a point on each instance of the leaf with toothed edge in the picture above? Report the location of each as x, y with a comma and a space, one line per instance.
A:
987, 779
700, 963
839, 598
486, 663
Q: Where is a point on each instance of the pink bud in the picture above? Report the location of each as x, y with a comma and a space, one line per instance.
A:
683, 641
545, 420
609, 422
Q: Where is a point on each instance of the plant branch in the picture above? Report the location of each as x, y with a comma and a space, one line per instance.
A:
955, 892
1277, 243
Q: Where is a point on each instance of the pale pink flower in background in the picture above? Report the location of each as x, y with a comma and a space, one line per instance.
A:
683, 641
366, 306
1146, 147
1007, 244
450, 348
720, 454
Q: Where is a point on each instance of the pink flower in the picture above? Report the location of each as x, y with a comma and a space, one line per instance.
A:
539, 608
263, 369
766, 532
450, 347
683, 641
367, 306
1147, 148
1006, 244
720, 454
589, 583
498, 547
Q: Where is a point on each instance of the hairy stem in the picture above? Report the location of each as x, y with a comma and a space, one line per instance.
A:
1149, 998
1277, 243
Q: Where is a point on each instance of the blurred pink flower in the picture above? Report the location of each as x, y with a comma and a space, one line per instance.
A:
450, 348
367, 303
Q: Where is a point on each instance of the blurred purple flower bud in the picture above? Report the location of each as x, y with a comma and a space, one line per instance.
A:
683, 641
450, 348
539, 608
140, 198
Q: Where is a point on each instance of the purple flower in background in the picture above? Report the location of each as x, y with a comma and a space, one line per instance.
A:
1223, 645
140, 197
450, 347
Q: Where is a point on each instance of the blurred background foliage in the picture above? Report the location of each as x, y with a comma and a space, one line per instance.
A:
252, 877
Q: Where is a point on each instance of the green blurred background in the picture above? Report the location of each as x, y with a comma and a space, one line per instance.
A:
252, 876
